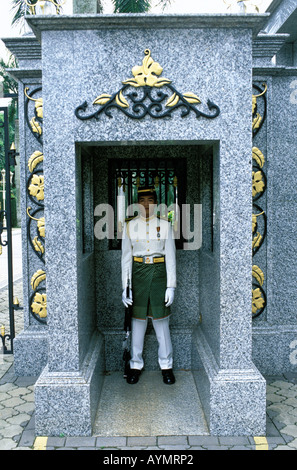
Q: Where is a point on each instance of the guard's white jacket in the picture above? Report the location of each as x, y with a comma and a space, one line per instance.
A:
140, 238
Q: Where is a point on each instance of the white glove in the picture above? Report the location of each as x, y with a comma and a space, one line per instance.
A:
169, 296
127, 300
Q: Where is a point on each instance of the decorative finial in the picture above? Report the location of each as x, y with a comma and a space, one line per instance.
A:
243, 6
32, 4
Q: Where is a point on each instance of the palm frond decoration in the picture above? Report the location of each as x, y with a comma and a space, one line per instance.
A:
131, 6
137, 6
20, 9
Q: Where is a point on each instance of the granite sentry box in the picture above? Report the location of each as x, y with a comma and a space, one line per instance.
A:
86, 59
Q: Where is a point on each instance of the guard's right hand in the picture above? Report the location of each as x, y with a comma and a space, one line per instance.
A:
127, 300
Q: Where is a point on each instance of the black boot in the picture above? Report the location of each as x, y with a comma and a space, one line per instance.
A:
168, 376
133, 376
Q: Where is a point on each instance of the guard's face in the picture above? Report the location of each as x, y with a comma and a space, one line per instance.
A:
147, 205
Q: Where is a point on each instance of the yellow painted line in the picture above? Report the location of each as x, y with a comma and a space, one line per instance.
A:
261, 443
40, 443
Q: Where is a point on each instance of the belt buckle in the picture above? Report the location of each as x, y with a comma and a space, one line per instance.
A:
147, 260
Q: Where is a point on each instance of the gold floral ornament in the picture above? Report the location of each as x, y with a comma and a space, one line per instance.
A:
258, 274
258, 183
258, 156
257, 301
39, 305
147, 73
37, 278
38, 246
257, 238
36, 187
35, 123
35, 126
257, 119
34, 160
38, 104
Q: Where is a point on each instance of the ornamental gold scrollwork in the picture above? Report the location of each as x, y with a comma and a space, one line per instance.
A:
257, 118
38, 300
35, 122
259, 220
141, 95
36, 194
35, 213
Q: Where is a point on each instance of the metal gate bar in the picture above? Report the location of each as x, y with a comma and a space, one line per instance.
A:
9, 155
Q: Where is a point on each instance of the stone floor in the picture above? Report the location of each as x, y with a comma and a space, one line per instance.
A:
148, 408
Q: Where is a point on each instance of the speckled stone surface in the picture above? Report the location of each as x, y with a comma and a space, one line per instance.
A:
66, 402
232, 399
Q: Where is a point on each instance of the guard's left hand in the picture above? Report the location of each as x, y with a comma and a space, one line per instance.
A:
169, 296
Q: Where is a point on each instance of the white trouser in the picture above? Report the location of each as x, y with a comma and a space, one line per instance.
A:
161, 328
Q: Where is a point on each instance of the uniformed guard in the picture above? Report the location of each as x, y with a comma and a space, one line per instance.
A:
149, 266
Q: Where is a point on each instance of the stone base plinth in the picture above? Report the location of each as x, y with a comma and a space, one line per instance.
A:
234, 400
66, 402
30, 352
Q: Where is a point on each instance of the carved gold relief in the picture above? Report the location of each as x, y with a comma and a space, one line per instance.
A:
257, 300
258, 188
35, 185
258, 183
39, 305
38, 103
137, 104
38, 299
35, 122
258, 156
38, 245
36, 188
35, 126
36, 157
147, 73
257, 118
258, 274
37, 278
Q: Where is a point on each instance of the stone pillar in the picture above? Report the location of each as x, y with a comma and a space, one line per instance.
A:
30, 346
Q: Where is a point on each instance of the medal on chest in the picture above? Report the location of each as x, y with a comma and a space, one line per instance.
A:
158, 232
